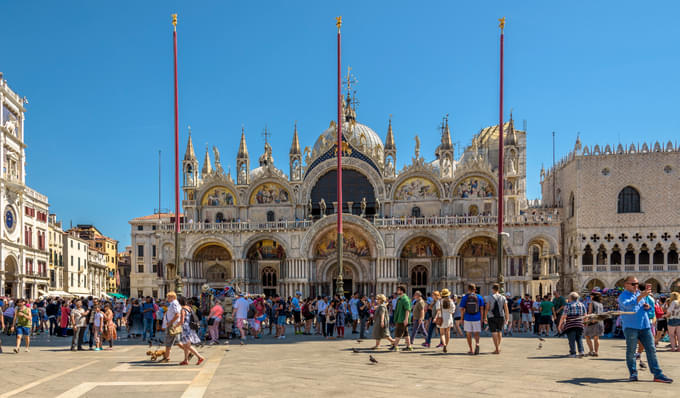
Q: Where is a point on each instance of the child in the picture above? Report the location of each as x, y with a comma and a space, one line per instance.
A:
35, 317
98, 327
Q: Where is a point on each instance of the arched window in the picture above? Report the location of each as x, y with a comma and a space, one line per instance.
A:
571, 205
672, 255
629, 200
658, 257
587, 258
270, 216
616, 256
419, 276
269, 277
630, 255
415, 211
644, 255
601, 256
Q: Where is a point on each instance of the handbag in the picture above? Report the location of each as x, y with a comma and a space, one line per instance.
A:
175, 329
439, 321
211, 321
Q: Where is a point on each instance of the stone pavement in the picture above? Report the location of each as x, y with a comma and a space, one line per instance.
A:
311, 367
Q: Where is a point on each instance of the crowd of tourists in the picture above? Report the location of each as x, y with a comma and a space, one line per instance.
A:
438, 315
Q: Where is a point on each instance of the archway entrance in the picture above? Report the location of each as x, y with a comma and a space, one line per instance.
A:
347, 280
424, 262
213, 261
269, 281
11, 277
264, 260
594, 283
479, 262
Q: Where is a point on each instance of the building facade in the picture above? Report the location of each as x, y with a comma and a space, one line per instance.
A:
75, 268
106, 245
97, 271
55, 241
23, 234
620, 214
124, 270
430, 225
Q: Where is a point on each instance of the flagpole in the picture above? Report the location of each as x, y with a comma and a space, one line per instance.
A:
178, 283
340, 288
501, 186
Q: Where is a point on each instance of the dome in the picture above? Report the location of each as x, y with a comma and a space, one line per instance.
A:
359, 136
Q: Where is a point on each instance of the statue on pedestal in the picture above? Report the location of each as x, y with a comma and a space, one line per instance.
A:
322, 206
363, 206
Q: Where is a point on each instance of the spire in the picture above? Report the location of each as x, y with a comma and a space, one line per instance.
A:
389, 141
242, 149
446, 134
295, 147
190, 155
511, 137
207, 167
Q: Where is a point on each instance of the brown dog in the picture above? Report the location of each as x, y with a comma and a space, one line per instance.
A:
155, 354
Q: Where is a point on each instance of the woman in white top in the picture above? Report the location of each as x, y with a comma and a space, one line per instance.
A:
673, 316
444, 309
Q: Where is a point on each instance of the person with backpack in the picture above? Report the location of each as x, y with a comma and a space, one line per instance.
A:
472, 308
190, 325
497, 316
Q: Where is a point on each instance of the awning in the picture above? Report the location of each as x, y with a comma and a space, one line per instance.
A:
117, 295
41, 292
58, 293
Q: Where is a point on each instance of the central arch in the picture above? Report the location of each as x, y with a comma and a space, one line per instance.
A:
479, 259
215, 263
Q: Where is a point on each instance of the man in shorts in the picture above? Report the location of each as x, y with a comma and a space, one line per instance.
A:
171, 318
496, 315
401, 317
525, 307
472, 309
22, 324
241, 315
295, 307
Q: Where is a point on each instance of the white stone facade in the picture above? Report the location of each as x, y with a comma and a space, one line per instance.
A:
24, 230
75, 265
430, 225
621, 214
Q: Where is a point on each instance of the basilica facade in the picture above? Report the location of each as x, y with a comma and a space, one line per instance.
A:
430, 225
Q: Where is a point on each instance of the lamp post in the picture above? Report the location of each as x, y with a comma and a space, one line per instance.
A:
501, 186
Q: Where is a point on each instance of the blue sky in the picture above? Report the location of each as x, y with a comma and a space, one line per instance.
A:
98, 76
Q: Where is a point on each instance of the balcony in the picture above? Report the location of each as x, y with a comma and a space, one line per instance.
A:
239, 226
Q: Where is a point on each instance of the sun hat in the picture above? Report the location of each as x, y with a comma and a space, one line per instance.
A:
445, 292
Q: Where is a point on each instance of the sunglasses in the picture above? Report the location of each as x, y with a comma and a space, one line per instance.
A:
633, 283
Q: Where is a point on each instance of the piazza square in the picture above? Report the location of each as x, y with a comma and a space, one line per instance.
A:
320, 231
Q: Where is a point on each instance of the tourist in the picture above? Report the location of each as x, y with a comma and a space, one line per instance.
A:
134, 319
472, 308
308, 315
457, 317
525, 307
35, 319
172, 324
546, 316
636, 327
515, 313
444, 309
240, 309
110, 334
21, 324
364, 315
571, 324
661, 322
401, 317
433, 325
271, 317
321, 304
673, 317
558, 304
79, 324
2, 325
259, 316
281, 315
331, 317
418, 316
51, 310
296, 309
189, 322
147, 318
340, 317
536, 308
98, 324
593, 330
496, 315
354, 311
65, 316
381, 326
214, 319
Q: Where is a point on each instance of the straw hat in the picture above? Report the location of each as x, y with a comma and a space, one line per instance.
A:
445, 292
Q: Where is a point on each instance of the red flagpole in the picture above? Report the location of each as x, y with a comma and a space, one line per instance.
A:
178, 285
501, 187
340, 283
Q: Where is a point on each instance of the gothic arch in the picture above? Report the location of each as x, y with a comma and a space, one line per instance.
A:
592, 283
492, 179
356, 267
200, 243
254, 184
422, 173
553, 247
487, 234
217, 181
310, 237
360, 166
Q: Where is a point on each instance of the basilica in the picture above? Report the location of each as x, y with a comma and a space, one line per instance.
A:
430, 225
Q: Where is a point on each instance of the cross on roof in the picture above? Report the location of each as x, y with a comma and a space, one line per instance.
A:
266, 134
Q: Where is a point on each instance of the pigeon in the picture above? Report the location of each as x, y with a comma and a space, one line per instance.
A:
540, 345
642, 365
354, 350
359, 341
541, 339
370, 357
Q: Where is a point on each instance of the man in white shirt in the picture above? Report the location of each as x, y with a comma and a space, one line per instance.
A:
171, 318
321, 306
240, 309
354, 309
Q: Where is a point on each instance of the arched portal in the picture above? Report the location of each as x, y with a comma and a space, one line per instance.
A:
594, 283
11, 280
479, 262
356, 187
214, 263
264, 261
424, 258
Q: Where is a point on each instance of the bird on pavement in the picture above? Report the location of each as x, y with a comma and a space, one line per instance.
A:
370, 357
359, 341
541, 339
354, 350
540, 345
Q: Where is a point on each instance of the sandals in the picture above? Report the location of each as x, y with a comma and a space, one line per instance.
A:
200, 361
184, 362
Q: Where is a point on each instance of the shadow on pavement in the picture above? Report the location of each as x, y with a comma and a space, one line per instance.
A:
584, 381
